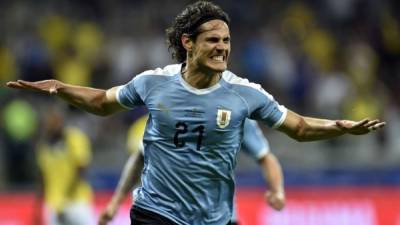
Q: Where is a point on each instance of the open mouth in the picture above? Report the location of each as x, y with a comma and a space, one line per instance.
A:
218, 58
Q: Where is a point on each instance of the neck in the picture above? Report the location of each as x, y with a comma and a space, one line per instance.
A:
199, 78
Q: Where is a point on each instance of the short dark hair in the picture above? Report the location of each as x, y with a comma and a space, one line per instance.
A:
188, 21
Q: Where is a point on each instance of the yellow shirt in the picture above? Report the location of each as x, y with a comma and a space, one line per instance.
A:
59, 165
135, 135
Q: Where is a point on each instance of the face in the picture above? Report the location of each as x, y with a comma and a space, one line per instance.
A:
210, 50
54, 123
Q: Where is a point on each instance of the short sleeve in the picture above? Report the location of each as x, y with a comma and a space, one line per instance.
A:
260, 104
263, 107
128, 96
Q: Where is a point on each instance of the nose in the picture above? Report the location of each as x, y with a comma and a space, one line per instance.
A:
221, 46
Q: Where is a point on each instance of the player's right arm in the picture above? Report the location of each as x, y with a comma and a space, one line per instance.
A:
129, 178
96, 101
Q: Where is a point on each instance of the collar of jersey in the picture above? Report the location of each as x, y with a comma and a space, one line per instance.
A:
197, 91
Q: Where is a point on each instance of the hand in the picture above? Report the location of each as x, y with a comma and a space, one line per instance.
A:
361, 127
46, 86
275, 199
107, 214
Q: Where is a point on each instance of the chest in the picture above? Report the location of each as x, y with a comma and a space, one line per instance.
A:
54, 156
177, 109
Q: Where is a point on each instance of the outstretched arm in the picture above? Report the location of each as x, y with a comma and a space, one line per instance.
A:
129, 178
272, 172
310, 129
96, 101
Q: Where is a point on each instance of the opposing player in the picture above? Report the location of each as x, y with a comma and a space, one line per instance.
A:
196, 119
63, 154
254, 145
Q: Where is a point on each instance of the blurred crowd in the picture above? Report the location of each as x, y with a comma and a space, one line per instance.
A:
328, 58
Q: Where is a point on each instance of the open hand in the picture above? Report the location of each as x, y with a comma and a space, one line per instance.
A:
275, 199
359, 127
47, 86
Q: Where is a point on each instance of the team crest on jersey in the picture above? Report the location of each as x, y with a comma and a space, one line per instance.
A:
223, 118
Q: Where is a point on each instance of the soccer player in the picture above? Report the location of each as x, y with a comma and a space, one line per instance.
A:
254, 144
63, 154
196, 119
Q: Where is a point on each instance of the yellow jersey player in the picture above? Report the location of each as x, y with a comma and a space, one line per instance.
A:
63, 155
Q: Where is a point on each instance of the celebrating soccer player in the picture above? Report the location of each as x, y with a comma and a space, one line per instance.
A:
197, 110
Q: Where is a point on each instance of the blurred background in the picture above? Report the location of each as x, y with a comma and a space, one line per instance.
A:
328, 58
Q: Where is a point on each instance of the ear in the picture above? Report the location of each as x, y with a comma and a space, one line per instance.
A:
187, 42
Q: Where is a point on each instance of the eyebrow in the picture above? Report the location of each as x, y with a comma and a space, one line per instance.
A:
202, 29
211, 36
217, 37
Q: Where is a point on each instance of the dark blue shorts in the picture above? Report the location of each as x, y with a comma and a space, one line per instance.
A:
141, 216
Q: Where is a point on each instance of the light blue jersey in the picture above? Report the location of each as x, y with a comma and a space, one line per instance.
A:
191, 140
254, 145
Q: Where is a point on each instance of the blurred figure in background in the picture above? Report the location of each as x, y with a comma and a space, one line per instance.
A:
63, 154
254, 145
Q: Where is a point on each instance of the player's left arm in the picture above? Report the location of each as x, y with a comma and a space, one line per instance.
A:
257, 146
272, 172
304, 128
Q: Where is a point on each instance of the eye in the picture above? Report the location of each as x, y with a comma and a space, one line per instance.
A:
212, 39
227, 40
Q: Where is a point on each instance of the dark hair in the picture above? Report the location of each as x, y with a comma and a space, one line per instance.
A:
188, 21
